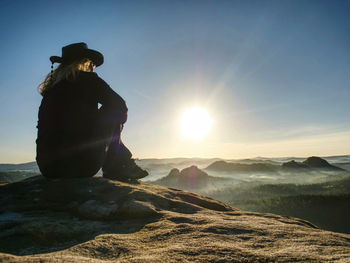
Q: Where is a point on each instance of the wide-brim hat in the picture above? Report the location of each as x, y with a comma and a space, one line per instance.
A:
78, 51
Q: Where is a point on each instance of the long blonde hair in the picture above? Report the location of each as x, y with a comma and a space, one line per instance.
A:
65, 72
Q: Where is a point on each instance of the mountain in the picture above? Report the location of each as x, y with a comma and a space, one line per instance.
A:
319, 163
191, 178
222, 166
100, 220
295, 165
31, 166
310, 164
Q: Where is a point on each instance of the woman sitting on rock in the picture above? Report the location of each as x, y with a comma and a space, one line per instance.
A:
76, 137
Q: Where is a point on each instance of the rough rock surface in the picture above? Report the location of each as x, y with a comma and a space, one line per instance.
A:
98, 220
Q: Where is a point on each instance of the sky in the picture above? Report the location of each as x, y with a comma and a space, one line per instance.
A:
274, 76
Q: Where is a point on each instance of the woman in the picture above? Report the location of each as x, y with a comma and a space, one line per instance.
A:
75, 137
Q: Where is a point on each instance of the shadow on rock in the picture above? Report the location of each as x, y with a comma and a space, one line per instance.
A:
39, 215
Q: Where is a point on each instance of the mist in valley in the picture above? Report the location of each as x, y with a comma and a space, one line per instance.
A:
313, 188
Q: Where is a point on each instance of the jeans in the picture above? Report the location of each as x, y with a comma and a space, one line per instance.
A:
97, 145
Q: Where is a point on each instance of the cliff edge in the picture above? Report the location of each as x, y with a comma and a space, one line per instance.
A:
97, 220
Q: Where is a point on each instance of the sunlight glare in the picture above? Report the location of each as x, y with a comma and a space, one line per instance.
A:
195, 123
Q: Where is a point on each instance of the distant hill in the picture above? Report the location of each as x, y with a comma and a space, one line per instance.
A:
222, 166
191, 178
294, 165
165, 163
259, 166
311, 163
31, 166
317, 162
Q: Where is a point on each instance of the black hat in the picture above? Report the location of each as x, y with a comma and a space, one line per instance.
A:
77, 51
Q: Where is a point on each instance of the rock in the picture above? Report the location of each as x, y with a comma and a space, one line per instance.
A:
192, 179
99, 220
93, 209
133, 208
317, 162
189, 178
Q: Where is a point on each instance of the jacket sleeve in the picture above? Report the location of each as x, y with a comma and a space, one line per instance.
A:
110, 99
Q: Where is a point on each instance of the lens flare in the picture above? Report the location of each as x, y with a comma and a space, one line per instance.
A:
196, 123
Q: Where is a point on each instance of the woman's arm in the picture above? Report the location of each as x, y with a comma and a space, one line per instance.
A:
110, 99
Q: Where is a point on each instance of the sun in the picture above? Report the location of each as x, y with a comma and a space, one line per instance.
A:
196, 123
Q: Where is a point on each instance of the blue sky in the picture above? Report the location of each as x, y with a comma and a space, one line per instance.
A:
273, 75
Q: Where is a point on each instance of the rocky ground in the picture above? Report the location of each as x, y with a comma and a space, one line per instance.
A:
98, 220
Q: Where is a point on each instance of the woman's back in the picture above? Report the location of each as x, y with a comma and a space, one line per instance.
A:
66, 107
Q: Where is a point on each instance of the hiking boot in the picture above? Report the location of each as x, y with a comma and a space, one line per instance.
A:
127, 171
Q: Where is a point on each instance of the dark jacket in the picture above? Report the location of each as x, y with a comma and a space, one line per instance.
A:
69, 111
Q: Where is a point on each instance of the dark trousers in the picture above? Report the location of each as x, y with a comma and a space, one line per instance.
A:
98, 145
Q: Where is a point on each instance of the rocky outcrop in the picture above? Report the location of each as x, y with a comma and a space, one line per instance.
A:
190, 178
319, 163
98, 220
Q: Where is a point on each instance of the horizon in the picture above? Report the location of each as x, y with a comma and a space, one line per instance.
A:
226, 159
272, 77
